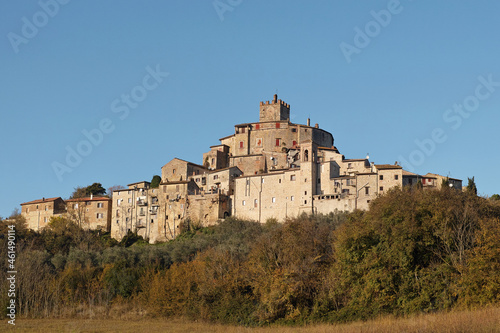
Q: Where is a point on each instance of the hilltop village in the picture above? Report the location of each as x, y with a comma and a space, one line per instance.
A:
272, 168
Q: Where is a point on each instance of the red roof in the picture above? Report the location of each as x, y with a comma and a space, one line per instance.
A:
40, 201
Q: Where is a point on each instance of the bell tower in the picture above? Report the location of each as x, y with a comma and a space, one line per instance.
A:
275, 110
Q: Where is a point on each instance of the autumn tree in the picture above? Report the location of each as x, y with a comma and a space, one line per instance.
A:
114, 188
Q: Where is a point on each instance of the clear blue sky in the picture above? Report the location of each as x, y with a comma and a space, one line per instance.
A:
67, 69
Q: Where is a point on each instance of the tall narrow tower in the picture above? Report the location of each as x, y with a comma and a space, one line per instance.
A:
275, 110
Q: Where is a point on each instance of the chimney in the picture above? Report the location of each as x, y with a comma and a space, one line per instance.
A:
275, 98
316, 125
91, 196
308, 121
43, 199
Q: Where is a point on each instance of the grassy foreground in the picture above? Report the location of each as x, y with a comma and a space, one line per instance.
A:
484, 320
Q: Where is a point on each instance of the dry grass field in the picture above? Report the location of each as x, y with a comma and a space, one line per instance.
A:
484, 320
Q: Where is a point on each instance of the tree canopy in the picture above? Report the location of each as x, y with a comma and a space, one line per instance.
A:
94, 189
155, 182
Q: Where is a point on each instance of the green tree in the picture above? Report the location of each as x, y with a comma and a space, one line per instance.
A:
155, 182
495, 197
471, 186
94, 189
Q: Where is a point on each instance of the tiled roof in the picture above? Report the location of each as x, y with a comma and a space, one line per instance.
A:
387, 166
40, 201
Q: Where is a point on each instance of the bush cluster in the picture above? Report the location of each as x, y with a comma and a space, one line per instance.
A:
413, 251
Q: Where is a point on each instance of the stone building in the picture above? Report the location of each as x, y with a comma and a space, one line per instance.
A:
271, 168
135, 209
90, 213
38, 212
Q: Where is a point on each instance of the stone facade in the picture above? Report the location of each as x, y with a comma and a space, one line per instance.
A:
272, 168
90, 213
38, 212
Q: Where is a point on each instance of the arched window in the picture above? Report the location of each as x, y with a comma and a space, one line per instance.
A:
306, 155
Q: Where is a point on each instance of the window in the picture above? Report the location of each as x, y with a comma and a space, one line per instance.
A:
278, 142
277, 125
117, 221
255, 203
367, 190
197, 180
305, 180
166, 217
213, 160
99, 205
46, 208
305, 192
257, 126
216, 176
292, 178
305, 202
36, 206
396, 177
242, 130
381, 177
100, 215
294, 130
45, 219
126, 219
291, 198
262, 180
349, 165
243, 203
118, 202
273, 200
279, 180
241, 144
173, 171
129, 200
128, 210
306, 155
294, 143
381, 188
